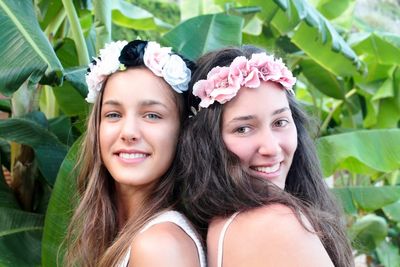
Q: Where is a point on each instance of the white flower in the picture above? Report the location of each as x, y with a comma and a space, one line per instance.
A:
109, 57
106, 64
159, 60
155, 57
176, 73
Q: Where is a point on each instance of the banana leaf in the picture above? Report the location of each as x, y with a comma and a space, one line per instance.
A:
24, 50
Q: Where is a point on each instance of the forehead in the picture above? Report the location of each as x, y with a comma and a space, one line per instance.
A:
263, 100
138, 84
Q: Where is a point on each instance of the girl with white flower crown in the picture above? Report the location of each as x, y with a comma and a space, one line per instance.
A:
255, 180
127, 214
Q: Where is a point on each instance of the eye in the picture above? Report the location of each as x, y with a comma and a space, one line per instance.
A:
152, 116
242, 130
281, 123
112, 115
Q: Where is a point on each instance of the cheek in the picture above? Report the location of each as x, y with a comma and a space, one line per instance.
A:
168, 138
243, 150
291, 143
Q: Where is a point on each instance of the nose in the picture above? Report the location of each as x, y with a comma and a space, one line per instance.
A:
269, 144
130, 131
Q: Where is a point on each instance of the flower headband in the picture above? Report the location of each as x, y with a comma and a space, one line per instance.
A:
223, 83
160, 60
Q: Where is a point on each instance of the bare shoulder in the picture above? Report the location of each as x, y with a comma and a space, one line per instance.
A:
164, 244
272, 235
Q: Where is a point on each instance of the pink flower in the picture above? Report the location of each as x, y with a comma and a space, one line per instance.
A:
217, 87
155, 57
287, 80
223, 83
203, 89
224, 88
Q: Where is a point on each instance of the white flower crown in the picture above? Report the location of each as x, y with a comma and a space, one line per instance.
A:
160, 60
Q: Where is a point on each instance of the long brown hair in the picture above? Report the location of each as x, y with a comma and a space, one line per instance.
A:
94, 237
215, 184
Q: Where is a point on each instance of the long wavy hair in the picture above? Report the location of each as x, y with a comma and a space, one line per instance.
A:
94, 237
215, 184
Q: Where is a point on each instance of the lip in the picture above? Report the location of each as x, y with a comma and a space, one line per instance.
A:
131, 155
269, 171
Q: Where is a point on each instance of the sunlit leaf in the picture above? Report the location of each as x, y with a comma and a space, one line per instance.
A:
368, 232
388, 254
131, 16
392, 211
368, 198
212, 32
360, 151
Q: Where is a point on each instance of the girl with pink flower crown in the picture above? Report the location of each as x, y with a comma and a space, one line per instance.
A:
255, 180
128, 210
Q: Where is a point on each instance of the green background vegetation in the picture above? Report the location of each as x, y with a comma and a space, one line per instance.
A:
346, 55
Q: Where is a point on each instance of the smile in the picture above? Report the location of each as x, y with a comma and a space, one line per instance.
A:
132, 155
270, 169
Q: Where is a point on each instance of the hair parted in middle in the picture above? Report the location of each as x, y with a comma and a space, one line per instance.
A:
93, 236
214, 184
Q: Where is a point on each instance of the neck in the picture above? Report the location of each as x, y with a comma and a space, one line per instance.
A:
130, 202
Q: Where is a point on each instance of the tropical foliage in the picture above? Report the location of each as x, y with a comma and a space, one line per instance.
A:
349, 80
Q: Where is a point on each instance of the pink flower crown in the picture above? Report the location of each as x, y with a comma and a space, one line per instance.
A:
160, 60
223, 83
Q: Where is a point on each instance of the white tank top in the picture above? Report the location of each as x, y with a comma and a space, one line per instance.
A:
222, 237
180, 220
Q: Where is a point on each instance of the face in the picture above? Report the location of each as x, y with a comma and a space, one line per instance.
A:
257, 126
139, 128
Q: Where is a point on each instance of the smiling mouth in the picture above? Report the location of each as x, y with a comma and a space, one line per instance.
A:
132, 155
270, 169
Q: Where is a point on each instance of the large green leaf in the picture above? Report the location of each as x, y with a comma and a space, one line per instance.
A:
368, 232
60, 210
76, 76
7, 198
24, 50
5, 105
49, 151
323, 80
392, 211
333, 8
128, 15
20, 233
14, 221
21, 249
212, 32
314, 35
70, 101
367, 198
360, 151
383, 50
388, 254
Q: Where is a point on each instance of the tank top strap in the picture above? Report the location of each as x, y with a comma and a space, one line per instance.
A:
222, 237
180, 220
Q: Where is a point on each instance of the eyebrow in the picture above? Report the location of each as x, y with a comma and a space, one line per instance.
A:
147, 103
143, 103
250, 117
281, 110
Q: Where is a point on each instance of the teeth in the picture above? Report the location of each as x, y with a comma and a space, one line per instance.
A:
271, 169
132, 156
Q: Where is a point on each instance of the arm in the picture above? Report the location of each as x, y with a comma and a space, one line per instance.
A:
164, 245
271, 236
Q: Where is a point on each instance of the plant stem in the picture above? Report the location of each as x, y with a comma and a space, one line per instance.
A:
77, 33
333, 110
